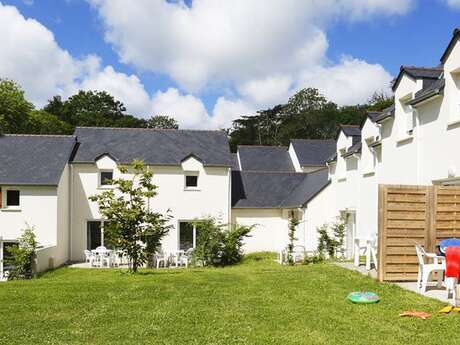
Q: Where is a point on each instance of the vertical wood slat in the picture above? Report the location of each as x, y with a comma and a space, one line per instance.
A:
429, 215
397, 239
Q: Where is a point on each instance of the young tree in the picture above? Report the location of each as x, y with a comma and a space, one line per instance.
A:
14, 108
162, 122
132, 225
23, 255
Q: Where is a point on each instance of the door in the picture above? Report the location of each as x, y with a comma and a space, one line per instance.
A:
350, 234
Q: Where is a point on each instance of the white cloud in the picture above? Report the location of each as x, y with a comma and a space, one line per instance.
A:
264, 50
352, 81
127, 88
453, 3
188, 110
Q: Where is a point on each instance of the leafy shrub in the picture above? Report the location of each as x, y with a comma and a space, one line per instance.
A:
217, 244
293, 222
331, 238
316, 258
23, 256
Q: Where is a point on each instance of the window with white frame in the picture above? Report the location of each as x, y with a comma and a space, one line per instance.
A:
408, 113
188, 235
10, 198
191, 180
105, 178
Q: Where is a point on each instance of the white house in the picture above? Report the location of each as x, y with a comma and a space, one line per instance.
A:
45, 181
412, 142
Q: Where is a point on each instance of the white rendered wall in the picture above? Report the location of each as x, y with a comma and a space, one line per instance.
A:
270, 232
212, 198
38, 208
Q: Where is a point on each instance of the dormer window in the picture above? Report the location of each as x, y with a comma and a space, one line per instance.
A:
408, 113
191, 181
105, 178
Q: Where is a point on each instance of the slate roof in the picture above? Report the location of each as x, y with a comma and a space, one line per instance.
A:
355, 148
34, 159
418, 73
274, 189
312, 152
373, 115
433, 89
153, 146
265, 158
450, 46
386, 113
351, 130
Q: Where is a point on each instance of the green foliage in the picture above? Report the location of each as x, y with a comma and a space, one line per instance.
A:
41, 122
23, 256
14, 108
307, 114
92, 109
218, 244
331, 238
293, 222
162, 122
379, 101
316, 258
133, 227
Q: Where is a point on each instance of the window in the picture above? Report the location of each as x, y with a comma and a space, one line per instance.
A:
191, 181
106, 178
95, 235
7, 257
12, 198
187, 235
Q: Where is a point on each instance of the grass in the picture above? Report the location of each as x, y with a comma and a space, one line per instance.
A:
256, 302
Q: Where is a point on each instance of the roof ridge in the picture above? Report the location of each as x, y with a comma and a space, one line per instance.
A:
38, 135
314, 139
154, 129
437, 68
274, 172
281, 146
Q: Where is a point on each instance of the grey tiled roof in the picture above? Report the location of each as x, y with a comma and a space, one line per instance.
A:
373, 115
418, 73
313, 152
276, 190
351, 130
433, 89
386, 113
34, 159
455, 36
355, 148
265, 158
153, 146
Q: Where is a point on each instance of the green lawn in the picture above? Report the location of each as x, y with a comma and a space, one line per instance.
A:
257, 302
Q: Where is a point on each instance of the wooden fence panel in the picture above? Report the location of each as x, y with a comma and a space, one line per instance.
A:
410, 215
404, 220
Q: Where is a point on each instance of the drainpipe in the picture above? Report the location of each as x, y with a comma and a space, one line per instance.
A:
70, 205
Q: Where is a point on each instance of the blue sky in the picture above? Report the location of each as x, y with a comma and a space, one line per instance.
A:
168, 75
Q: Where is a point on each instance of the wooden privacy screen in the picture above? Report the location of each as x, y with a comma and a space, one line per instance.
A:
410, 215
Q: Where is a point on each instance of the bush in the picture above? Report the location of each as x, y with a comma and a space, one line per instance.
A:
23, 256
217, 244
316, 258
331, 238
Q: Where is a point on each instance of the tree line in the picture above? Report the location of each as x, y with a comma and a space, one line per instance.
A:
307, 114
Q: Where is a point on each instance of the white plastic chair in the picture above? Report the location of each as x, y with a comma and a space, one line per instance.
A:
88, 256
161, 257
298, 253
425, 269
368, 248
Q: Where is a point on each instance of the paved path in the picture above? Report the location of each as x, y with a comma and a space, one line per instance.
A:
432, 291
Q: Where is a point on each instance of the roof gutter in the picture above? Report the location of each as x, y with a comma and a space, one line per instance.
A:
426, 97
